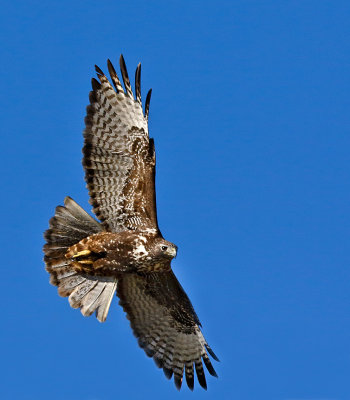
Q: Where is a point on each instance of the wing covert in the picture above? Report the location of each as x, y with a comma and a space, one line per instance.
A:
119, 157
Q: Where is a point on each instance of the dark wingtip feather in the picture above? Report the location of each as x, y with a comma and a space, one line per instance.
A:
168, 372
210, 351
138, 83
114, 76
98, 70
110, 66
95, 84
111, 70
159, 362
148, 351
148, 99
209, 366
178, 381
200, 374
125, 76
189, 376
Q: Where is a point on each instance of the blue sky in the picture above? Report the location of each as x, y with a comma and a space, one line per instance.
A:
250, 116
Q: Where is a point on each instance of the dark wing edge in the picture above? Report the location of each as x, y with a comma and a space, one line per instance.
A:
166, 325
118, 156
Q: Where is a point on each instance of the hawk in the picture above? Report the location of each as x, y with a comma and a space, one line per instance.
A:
125, 253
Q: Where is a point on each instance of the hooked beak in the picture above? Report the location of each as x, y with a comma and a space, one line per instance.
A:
172, 251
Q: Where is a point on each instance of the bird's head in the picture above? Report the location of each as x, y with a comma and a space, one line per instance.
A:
165, 249
153, 250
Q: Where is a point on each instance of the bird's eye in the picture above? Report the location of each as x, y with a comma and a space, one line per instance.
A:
164, 248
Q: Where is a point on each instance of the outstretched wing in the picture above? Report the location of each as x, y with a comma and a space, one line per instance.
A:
119, 157
166, 325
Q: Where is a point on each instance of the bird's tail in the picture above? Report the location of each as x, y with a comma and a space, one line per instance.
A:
89, 293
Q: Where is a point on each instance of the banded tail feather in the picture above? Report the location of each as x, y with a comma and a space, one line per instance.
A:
69, 225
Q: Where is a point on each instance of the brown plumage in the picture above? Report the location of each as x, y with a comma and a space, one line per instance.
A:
125, 253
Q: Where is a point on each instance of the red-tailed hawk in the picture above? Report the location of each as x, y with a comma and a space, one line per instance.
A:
125, 253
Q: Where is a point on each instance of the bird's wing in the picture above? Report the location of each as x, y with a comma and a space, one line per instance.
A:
166, 325
119, 157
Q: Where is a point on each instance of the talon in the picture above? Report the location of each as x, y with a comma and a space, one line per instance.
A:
82, 253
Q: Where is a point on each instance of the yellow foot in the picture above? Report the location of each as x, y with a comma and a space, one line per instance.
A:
82, 253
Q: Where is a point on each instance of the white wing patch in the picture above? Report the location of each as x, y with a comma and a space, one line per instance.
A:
140, 251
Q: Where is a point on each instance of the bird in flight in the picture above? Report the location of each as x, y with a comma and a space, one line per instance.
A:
125, 253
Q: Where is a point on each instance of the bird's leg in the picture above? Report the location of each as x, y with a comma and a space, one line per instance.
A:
96, 253
84, 256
